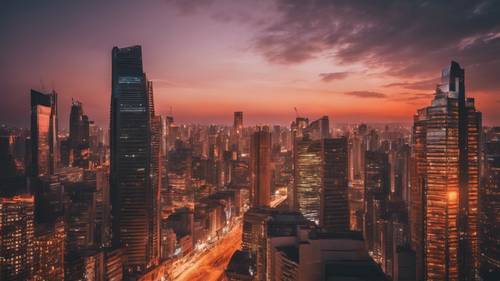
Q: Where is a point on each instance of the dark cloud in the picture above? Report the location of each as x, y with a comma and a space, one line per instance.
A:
427, 84
366, 94
328, 77
406, 38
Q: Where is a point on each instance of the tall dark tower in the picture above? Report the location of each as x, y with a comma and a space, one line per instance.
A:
334, 212
79, 135
133, 195
44, 129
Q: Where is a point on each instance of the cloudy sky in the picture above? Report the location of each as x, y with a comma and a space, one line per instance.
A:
363, 61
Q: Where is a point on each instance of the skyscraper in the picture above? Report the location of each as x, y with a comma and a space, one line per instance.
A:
79, 135
260, 167
307, 177
238, 122
377, 187
450, 179
44, 129
132, 192
16, 237
490, 211
334, 197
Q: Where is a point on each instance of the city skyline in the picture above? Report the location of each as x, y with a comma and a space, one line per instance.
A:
250, 140
233, 57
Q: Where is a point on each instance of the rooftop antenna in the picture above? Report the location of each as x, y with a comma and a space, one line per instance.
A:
296, 112
170, 112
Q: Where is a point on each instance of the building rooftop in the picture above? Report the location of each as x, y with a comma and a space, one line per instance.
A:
241, 263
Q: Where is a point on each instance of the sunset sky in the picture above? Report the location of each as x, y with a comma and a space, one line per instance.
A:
372, 61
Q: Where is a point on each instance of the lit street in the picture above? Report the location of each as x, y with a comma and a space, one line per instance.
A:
210, 264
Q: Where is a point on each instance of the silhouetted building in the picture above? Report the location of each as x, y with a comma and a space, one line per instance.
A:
44, 129
334, 211
134, 206
79, 136
260, 168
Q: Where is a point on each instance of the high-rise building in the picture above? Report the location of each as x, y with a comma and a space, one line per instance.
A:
238, 122
260, 168
179, 173
48, 251
450, 130
377, 188
16, 237
262, 224
80, 215
307, 177
133, 195
44, 130
490, 212
319, 129
334, 211
79, 136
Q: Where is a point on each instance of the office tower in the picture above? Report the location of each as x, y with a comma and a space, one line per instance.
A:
377, 188
400, 172
80, 215
262, 224
44, 130
238, 122
49, 199
490, 209
99, 177
132, 193
260, 168
179, 173
79, 135
334, 211
16, 237
319, 129
450, 180
357, 148
307, 177
48, 251
418, 169
356, 204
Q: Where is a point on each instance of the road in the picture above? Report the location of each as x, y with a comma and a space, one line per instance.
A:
210, 266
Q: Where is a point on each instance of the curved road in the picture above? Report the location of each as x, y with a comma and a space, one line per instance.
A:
211, 266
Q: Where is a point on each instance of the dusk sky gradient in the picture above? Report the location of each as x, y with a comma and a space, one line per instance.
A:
372, 61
